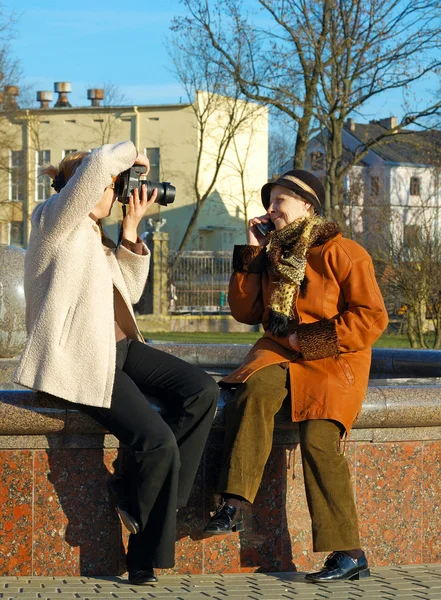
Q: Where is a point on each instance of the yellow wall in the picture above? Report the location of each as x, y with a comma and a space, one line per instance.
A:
174, 129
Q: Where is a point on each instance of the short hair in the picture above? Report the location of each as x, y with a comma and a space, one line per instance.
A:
66, 169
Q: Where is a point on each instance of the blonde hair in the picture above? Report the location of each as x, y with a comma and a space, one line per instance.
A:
65, 170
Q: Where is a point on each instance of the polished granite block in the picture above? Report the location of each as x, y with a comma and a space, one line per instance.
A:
59, 496
221, 553
390, 501
431, 521
189, 551
74, 522
16, 512
261, 543
297, 545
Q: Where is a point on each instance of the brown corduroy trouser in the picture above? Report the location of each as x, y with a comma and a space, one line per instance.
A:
248, 442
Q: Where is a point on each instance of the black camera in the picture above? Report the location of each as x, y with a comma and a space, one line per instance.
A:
127, 181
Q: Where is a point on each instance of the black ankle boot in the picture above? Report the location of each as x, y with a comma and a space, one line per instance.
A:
340, 566
122, 504
142, 577
226, 519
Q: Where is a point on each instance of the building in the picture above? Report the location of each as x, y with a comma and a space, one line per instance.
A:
396, 186
180, 147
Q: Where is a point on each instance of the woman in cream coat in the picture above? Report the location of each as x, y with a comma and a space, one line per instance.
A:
84, 346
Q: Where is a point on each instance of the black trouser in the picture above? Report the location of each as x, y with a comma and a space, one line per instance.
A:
166, 450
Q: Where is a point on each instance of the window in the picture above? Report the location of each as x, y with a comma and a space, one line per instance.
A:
70, 151
16, 233
412, 236
43, 181
415, 186
154, 157
317, 161
375, 186
16, 175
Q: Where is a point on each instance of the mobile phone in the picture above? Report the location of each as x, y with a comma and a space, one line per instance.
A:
265, 228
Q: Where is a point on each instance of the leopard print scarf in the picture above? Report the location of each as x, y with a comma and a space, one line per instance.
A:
287, 256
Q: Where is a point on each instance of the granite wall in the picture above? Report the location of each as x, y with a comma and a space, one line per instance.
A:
57, 518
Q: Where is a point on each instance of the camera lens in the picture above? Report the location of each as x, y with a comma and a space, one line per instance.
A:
166, 191
129, 180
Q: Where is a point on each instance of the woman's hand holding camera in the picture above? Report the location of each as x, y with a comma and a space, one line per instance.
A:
141, 159
137, 206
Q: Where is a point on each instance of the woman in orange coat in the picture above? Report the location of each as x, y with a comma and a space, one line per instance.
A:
316, 295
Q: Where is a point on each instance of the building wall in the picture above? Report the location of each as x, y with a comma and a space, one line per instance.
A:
171, 128
379, 202
236, 192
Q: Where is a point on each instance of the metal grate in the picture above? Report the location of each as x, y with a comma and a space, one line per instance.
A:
198, 281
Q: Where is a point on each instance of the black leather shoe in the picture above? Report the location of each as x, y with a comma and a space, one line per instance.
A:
142, 577
226, 519
339, 566
121, 501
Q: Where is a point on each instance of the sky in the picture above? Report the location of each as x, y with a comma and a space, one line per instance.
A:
91, 43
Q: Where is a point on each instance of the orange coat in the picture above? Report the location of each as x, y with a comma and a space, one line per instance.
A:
338, 318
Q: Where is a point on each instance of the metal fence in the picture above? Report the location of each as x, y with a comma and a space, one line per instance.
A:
198, 281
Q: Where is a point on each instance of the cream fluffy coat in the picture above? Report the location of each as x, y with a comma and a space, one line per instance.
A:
69, 278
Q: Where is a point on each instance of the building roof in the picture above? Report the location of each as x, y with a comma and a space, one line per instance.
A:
408, 147
347, 154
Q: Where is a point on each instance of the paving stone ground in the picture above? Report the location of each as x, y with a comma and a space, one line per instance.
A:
422, 582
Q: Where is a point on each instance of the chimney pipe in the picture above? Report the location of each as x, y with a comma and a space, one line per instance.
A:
96, 95
44, 98
350, 123
62, 88
389, 122
10, 95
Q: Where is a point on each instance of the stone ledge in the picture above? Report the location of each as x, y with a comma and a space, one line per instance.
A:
98, 441
282, 437
24, 412
401, 403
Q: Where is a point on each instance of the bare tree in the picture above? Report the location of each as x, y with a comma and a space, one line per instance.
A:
320, 61
373, 46
408, 255
220, 116
239, 165
10, 75
276, 63
280, 147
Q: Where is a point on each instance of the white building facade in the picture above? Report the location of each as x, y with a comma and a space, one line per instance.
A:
395, 190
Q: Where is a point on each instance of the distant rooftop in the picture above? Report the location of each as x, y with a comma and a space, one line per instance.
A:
9, 100
408, 146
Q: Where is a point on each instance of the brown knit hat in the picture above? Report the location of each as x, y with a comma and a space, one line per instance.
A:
303, 183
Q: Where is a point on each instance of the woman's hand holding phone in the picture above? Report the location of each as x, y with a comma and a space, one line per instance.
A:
258, 229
